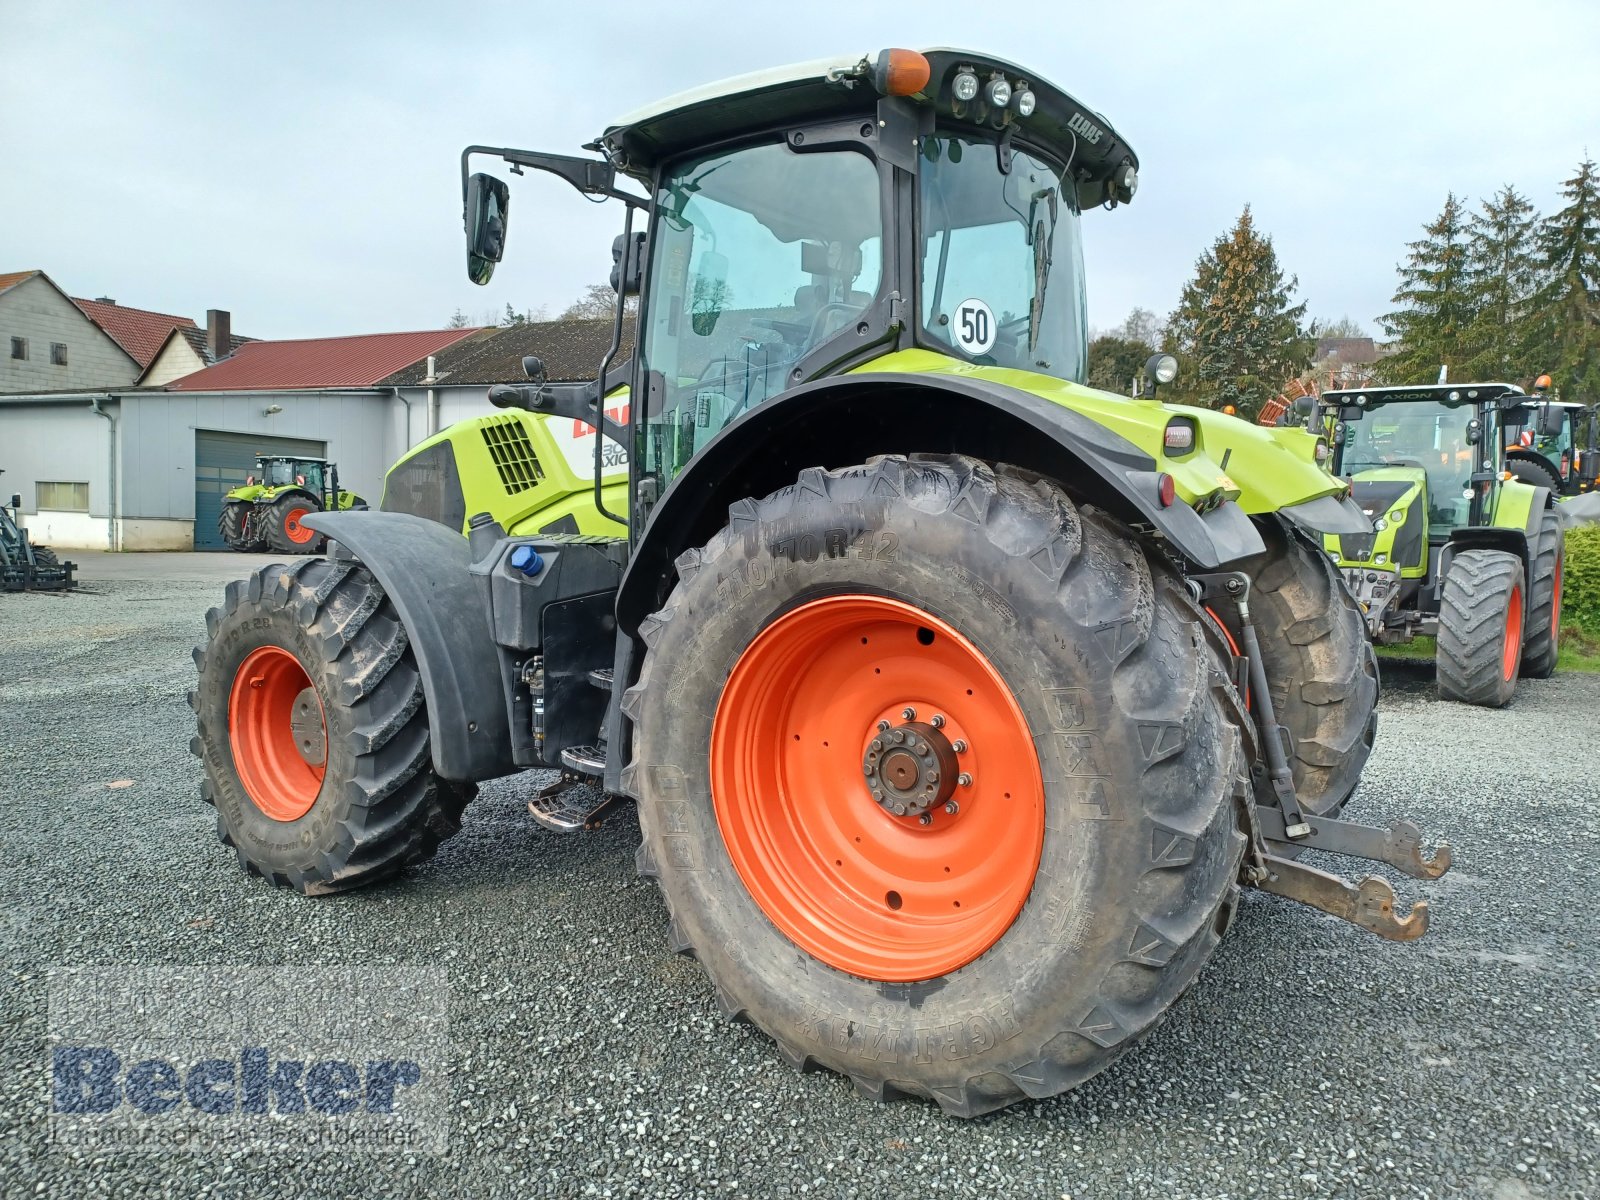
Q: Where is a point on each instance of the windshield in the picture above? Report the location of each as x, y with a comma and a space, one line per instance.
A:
1002, 260
759, 255
1427, 435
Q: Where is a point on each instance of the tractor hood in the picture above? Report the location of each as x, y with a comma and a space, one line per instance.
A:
1380, 494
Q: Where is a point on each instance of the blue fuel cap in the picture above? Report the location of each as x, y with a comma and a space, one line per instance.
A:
526, 559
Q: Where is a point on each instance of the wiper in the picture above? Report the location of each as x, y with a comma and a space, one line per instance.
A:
1043, 242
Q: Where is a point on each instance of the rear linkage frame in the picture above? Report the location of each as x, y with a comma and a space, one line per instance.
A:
1274, 813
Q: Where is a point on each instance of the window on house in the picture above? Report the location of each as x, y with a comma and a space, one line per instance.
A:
19, 347
58, 354
61, 497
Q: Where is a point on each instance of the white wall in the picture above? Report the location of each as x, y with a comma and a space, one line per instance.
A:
177, 359
59, 442
34, 310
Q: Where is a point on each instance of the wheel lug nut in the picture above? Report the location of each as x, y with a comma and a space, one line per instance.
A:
899, 736
933, 777
964, 779
909, 713
938, 720
951, 807
925, 819
883, 727
960, 746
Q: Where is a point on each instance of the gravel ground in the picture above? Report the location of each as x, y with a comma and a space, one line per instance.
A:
1310, 1059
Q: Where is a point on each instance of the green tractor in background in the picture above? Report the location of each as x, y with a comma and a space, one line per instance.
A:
1556, 445
958, 700
268, 511
1460, 549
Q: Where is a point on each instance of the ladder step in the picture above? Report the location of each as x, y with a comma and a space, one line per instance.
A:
585, 760
570, 804
601, 678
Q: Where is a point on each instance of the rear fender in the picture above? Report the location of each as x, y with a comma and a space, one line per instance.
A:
423, 567
844, 420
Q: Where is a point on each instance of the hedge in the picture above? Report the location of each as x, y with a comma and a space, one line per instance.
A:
1580, 601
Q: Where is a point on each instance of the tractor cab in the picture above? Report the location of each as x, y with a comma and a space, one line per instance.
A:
1556, 445
285, 472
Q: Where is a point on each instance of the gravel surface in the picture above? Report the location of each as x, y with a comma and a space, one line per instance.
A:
1309, 1060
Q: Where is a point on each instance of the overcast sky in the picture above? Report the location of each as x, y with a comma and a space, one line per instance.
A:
297, 163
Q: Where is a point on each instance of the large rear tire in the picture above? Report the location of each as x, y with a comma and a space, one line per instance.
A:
1536, 473
231, 523
1543, 645
1320, 665
1480, 628
313, 731
43, 556
1080, 871
285, 533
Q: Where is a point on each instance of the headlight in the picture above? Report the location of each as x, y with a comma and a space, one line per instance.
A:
1398, 517
965, 86
1380, 525
998, 93
1380, 559
1322, 450
1024, 102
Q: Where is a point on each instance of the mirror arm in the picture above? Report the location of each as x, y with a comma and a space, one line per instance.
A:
591, 176
576, 401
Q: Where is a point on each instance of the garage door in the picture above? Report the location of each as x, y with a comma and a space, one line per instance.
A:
221, 463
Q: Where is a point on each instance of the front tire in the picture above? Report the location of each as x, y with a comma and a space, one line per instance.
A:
313, 731
1480, 628
1320, 664
1011, 948
1543, 646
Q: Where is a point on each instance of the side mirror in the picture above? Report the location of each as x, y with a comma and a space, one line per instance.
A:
627, 278
533, 368
16, 500
1552, 421
1474, 431
488, 202
1305, 405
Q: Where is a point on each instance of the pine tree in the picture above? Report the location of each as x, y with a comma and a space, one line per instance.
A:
1566, 308
1435, 302
1502, 273
1239, 337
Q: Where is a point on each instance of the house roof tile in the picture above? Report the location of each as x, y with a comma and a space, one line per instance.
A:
139, 331
571, 349
359, 361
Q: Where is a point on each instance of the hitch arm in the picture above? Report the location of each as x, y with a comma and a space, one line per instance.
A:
1399, 846
1369, 903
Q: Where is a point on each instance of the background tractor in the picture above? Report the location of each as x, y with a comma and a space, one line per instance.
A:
957, 700
268, 511
1460, 549
23, 565
1556, 444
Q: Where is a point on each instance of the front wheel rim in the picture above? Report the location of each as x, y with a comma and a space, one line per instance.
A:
807, 781
278, 733
1513, 642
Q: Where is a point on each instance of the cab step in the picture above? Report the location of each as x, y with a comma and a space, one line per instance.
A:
601, 677
571, 804
584, 760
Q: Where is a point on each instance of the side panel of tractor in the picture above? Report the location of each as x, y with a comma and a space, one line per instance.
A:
533, 474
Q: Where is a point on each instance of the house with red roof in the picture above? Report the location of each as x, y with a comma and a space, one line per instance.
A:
143, 463
49, 342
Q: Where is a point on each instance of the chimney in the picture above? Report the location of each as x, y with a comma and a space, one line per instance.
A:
104, 300
219, 333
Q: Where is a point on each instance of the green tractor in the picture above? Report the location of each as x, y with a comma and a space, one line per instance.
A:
958, 700
1556, 445
25, 566
269, 510
1461, 549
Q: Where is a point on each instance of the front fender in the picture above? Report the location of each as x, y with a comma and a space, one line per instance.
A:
847, 419
424, 569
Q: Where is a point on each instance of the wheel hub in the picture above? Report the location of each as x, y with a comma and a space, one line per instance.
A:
910, 769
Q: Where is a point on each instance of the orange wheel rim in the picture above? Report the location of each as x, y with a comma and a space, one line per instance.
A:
1513, 644
278, 733
295, 531
1555, 606
805, 733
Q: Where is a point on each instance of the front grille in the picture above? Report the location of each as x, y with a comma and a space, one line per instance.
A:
512, 453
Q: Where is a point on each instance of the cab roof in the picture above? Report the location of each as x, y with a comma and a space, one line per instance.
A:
1442, 393
838, 87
